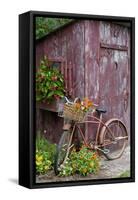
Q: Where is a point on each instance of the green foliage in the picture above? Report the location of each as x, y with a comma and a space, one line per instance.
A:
124, 174
43, 164
83, 162
47, 25
45, 152
49, 83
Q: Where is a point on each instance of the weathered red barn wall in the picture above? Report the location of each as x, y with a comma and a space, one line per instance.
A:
99, 54
107, 69
67, 43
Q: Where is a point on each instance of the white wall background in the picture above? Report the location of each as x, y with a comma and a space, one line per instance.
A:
9, 11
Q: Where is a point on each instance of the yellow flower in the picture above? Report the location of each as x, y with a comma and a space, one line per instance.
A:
82, 108
36, 157
39, 158
91, 164
46, 167
84, 170
74, 166
38, 163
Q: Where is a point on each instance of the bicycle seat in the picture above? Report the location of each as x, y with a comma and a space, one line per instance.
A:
99, 110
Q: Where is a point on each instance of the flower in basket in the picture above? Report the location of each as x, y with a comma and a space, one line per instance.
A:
78, 106
84, 105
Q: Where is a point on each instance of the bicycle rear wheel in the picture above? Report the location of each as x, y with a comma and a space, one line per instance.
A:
113, 144
62, 151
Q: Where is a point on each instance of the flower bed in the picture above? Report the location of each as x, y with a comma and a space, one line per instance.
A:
83, 162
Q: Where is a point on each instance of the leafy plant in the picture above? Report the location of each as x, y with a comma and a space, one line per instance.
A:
46, 25
45, 152
83, 162
43, 164
49, 83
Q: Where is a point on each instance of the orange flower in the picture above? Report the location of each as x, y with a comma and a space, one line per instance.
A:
87, 102
90, 103
77, 105
84, 105
94, 156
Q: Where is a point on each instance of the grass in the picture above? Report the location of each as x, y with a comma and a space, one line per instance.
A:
124, 174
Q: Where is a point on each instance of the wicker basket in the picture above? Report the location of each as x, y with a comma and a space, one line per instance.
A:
70, 112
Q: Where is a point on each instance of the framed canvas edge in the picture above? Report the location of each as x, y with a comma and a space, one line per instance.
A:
24, 130
31, 103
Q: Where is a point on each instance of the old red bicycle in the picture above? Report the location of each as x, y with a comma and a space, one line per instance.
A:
111, 136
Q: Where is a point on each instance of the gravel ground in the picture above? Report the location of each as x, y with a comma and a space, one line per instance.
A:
109, 169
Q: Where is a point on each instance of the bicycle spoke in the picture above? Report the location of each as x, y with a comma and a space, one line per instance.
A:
121, 138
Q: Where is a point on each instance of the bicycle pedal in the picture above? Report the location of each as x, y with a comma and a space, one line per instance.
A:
106, 151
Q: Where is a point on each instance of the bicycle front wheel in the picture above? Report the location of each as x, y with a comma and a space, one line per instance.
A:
113, 138
62, 151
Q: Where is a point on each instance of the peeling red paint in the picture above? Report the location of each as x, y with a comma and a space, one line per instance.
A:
96, 64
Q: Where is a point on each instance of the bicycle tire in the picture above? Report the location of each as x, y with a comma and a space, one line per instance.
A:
61, 152
117, 147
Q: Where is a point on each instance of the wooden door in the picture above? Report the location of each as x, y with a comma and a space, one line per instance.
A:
114, 72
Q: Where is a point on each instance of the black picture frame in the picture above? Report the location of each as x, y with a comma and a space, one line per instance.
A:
27, 99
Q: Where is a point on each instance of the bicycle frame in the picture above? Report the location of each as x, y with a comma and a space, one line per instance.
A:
96, 144
95, 120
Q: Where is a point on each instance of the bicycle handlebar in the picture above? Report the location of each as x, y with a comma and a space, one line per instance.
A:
68, 101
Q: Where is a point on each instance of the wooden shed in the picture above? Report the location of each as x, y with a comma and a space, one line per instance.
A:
94, 57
